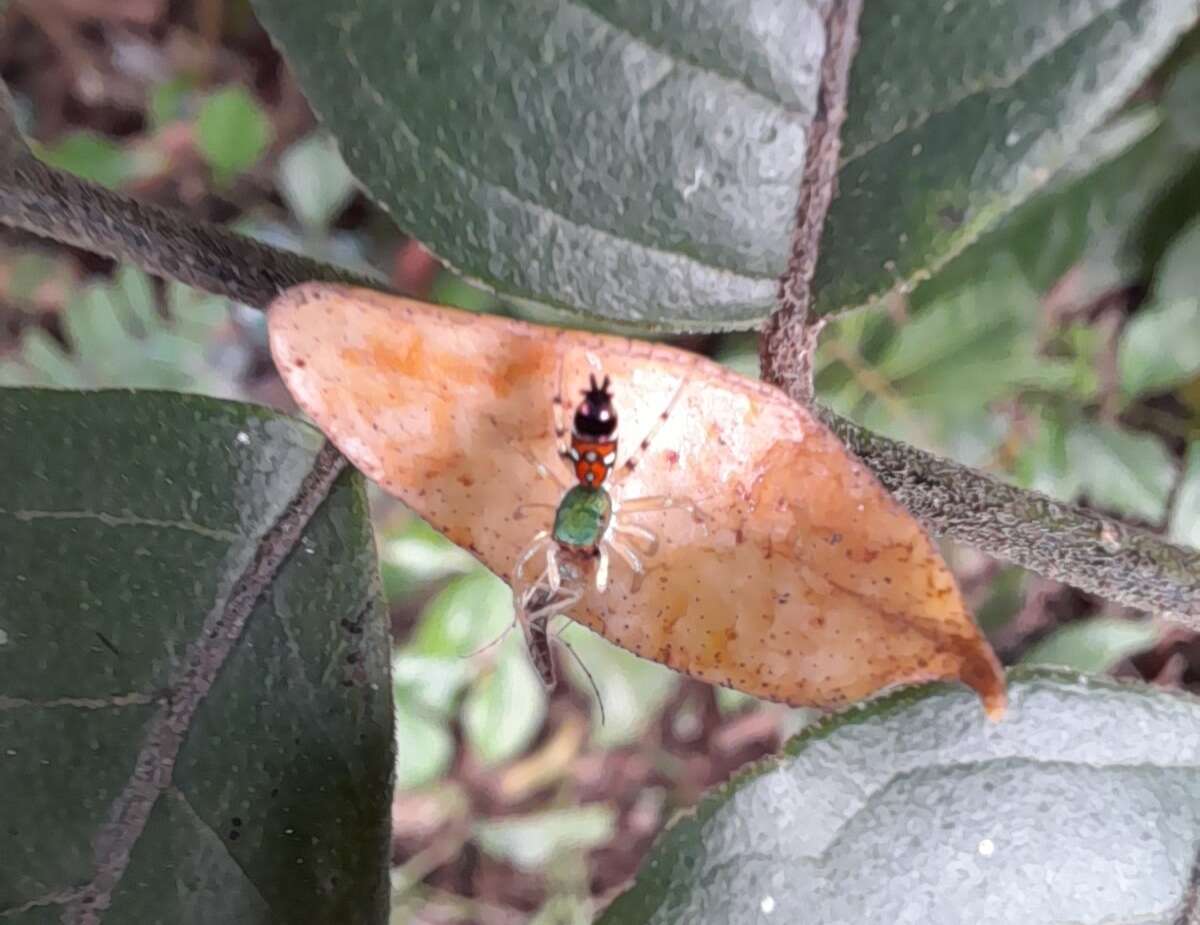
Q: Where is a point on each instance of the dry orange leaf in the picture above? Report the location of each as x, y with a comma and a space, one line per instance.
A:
803, 581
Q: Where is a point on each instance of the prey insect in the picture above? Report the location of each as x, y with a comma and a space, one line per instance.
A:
591, 524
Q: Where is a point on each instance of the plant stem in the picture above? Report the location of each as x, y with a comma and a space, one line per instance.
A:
789, 338
1061, 541
54, 204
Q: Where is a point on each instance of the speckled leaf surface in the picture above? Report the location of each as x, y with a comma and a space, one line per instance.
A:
1081, 808
127, 521
803, 580
640, 160
959, 111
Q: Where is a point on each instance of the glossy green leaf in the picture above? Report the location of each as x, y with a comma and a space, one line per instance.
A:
126, 523
1094, 646
641, 161
1081, 807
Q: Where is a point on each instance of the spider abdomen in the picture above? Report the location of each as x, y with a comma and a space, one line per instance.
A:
582, 517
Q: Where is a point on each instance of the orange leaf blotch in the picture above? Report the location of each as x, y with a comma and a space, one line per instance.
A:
803, 582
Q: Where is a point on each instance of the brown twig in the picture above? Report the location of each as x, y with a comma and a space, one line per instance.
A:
790, 337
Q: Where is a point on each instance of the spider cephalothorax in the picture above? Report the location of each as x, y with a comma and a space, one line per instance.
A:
593, 449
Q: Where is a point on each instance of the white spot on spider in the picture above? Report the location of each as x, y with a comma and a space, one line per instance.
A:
591, 456
610, 459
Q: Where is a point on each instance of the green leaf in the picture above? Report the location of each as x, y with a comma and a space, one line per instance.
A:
232, 132
641, 162
1127, 473
505, 708
1094, 646
425, 746
91, 157
1185, 516
531, 842
116, 337
1160, 347
1082, 806
631, 689
314, 181
237, 745
957, 116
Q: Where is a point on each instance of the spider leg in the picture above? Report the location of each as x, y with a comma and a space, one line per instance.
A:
653, 503
540, 539
558, 406
526, 506
648, 537
602, 568
542, 469
631, 559
631, 463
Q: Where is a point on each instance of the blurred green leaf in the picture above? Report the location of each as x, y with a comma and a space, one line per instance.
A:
1185, 516
451, 289
91, 157
431, 684
126, 522
505, 708
531, 842
117, 337
232, 132
1178, 277
424, 747
1180, 99
417, 555
168, 101
632, 690
1127, 473
314, 181
473, 610
1094, 646
642, 162
1160, 347
1082, 806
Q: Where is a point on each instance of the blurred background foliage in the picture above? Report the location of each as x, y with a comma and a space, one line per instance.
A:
1061, 352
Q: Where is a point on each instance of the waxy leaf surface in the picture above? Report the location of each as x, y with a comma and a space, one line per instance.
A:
1082, 808
174, 748
640, 160
803, 582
